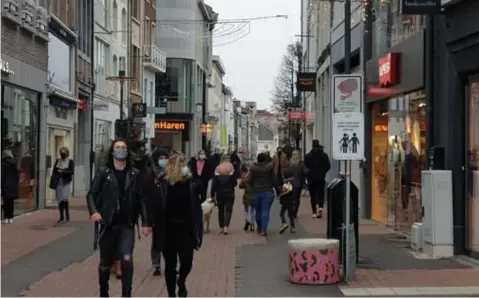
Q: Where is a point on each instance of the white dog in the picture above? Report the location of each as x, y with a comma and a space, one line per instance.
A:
207, 207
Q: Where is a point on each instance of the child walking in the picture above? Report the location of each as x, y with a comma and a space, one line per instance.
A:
287, 201
249, 211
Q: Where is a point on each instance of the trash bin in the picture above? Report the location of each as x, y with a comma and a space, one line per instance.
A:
336, 204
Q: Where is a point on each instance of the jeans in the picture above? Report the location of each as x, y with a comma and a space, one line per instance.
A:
225, 210
316, 191
262, 203
249, 213
178, 245
116, 238
155, 254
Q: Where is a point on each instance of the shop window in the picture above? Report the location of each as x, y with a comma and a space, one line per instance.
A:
473, 170
379, 162
19, 135
59, 66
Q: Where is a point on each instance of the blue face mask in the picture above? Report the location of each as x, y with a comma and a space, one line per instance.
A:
162, 162
185, 171
120, 153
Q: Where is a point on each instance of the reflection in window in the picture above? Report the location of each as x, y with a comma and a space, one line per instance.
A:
102, 140
19, 126
59, 67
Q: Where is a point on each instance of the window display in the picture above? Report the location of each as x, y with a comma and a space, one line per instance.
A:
407, 159
473, 170
379, 162
19, 134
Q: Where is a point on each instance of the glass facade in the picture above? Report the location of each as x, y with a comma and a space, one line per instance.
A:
390, 27
178, 87
20, 135
472, 171
398, 148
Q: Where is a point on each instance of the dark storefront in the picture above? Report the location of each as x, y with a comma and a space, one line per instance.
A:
456, 124
397, 130
24, 77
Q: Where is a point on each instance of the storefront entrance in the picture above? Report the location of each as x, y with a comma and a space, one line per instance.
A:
472, 171
398, 156
19, 135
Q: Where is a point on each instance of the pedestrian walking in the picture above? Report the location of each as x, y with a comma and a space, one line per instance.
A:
115, 203
156, 206
60, 181
249, 212
263, 183
200, 169
10, 181
223, 192
287, 199
298, 181
279, 161
181, 223
318, 165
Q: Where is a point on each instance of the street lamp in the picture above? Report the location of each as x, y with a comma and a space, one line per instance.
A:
121, 75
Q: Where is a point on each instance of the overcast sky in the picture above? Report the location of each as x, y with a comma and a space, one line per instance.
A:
252, 62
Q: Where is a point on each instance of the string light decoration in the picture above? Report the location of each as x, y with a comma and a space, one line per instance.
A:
225, 31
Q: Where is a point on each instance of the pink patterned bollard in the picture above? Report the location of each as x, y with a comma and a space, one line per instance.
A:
314, 261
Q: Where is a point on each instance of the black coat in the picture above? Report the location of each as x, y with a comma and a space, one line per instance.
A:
317, 164
105, 192
65, 174
223, 186
205, 174
159, 197
10, 178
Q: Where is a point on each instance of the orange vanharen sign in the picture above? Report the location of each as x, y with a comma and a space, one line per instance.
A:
167, 125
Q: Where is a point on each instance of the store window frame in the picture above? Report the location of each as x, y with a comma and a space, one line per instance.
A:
467, 161
35, 101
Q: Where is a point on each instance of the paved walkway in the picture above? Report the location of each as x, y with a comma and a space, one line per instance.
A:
43, 259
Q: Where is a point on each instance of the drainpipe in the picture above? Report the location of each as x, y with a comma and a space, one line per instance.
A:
93, 87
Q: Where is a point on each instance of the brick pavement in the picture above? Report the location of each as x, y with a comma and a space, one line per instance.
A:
388, 263
213, 270
39, 227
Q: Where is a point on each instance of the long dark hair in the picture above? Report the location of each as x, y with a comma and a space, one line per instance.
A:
109, 162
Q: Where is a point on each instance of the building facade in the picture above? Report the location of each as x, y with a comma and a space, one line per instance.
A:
154, 61
110, 45
216, 105
85, 86
183, 89
63, 101
455, 107
24, 106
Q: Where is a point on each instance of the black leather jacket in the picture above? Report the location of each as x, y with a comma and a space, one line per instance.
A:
104, 194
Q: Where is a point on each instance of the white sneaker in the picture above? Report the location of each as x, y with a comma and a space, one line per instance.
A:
10, 221
315, 215
4, 221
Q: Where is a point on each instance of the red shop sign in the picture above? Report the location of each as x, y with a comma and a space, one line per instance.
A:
388, 70
297, 115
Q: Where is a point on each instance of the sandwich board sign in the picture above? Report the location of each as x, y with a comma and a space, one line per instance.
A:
348, 136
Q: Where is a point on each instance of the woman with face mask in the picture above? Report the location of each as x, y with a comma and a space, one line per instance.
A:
201, 172
115, 202
61, 180
155, 205
180, 223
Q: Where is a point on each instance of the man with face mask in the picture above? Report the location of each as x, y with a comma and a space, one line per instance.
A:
115, 202
201, 172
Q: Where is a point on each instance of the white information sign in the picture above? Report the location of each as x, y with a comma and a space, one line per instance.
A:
348, 136
348, 91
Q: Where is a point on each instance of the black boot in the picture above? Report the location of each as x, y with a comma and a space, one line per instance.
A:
126, 292
104, 277
61, 208
67, 211
182, 291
